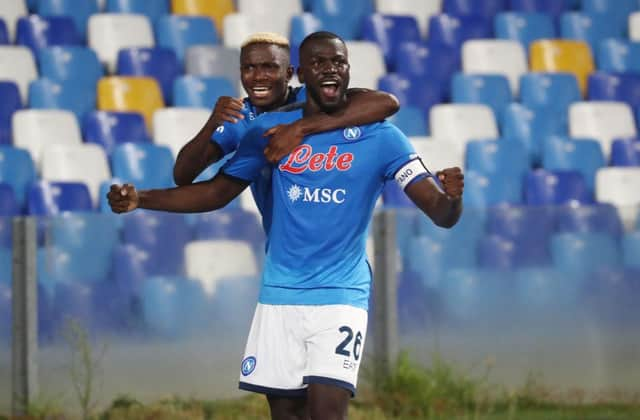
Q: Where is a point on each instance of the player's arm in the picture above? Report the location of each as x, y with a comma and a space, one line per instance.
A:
200, 151
363, 107
443, 206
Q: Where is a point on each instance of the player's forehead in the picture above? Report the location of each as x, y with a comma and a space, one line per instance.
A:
325, 48
260, 53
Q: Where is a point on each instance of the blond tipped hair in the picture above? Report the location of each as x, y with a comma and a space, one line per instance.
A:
266, 38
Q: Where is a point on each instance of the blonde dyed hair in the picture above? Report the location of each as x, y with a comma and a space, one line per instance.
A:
266, 38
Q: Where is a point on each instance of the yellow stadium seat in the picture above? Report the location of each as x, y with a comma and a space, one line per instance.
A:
216, 9
563, 56
137, 94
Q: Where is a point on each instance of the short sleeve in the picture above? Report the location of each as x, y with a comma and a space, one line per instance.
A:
249, 160
228, 136
402, 163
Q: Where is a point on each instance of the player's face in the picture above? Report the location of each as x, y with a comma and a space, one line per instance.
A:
265, 73
324, 68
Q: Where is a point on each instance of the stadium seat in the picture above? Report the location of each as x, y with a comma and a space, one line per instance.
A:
481, 191
68, 95
159, 63
8, 208
562, 56
552, 188
108, 33
438, 63
495, 56
591, 29
552, 90
233, 223
453, 31
524, 27
174, 127
17, 170
38, 32
497, 158
151, 9
10, 103
421, 93
343, 17
582, 155
201, 92
10, 12
410, 120
437, 154
488, 89
4, 33
459, 123
18, 65
616, 12
619, 55
35, 128
109, 129
496, 252
625, 153
181, 32
389, 31
144, 165
301, 26
592, 218
551, 7
631, 250
482, 8
603, 121
270, 15
135, 94
522, 224
367, 64
583, 253
214, 9
52, 198
623, 87
620, 186
634, 26
76, 63
422, 10
78, 10
213, 61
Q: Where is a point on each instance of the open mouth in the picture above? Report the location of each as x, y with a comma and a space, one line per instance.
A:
329, 88
261, 91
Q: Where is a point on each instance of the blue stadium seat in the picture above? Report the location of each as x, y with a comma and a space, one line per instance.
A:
557, 90
497, 158
110, 129
631, 250
229, 224
152, 9
68, 95
488, 89
389, 31
143, 164
343, 17
589, 28
584, 156
418, 92
5, 310
437, 63
301, 26
201, 91
616, 12
130, 267
483, 8
8, 209
17, 170
602, 218
78, 10
76, 63
181, 32
38, 32
159, 62
4, 33
583, 252
624, 87
496, 252
610, 295
532, 127
483, 191
52, 198
452, 31
548, 188
619, 55
625, 153
411, 121
552, 7
524, 27
73, 300
10, 103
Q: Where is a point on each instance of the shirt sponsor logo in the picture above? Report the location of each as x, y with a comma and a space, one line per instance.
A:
352, 133
248, 365
303, 159
316, 195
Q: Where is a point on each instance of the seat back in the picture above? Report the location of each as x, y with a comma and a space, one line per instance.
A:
134, 94
562, 56
18, 65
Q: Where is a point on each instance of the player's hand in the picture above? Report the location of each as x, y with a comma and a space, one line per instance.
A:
283, 138
452, 180
227, 109
123, 198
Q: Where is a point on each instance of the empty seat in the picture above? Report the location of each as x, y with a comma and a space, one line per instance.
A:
8, 208
481, 191
495, 56
550, 188
410, 120
438, 155
201, 91
389, 31
524, 27
459, 123
17, 170
4, 33
215, 61
562, 56
159, 63
109, 129
10, 12
151, 9
625, 153
343, 17
230, 223
631, 250
497, 253
634, 26
489, 89
582, 155
623, 87
214, 9
367, 64
453, 31
421, 93
68, 95
270, 15
17, 65
621, 187
615, 12
603, 121
482, 8
497, 158
301, 26
38, 32
553, 90
75, 63
619, 55
79, 10
52, 198
238, 27
589, 28
524, 225
422, 10
10, 103
110, 32
436, 62
136, 94
592, 218
552, 7
583, 252
144, 165
181, 32
35, 128
174, 127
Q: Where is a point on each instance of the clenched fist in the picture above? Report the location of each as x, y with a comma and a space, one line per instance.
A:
227, 109
452, 180
123, 198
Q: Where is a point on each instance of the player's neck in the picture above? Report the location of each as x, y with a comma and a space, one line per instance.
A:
313, 108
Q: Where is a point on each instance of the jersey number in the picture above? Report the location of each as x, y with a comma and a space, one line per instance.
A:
342, 347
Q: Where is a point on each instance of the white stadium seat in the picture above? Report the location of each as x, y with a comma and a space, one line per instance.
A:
422, 10
367, 64
174, 127
10, 12
438, 154
620, 186
85, 162
213, 60
110, 32
495, 56
237, 27
460, 123
602, 120
18, 65
634, 26
270, 15
33, 129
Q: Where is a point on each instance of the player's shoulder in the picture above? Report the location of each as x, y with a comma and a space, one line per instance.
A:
382, 129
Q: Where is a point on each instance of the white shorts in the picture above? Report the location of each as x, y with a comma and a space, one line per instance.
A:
291, 346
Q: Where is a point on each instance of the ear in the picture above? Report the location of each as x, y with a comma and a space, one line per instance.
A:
300, 75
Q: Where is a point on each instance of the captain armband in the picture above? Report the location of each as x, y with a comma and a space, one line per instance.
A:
410, 172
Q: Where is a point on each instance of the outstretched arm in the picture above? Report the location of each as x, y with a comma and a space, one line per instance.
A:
193, 198
444, 207
363, 107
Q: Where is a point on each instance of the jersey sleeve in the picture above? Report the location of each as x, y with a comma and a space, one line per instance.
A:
402, 163
249, 160
228, 136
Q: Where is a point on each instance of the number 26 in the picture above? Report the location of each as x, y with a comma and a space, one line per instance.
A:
357, 345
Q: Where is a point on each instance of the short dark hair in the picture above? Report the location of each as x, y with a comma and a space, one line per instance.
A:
320, 35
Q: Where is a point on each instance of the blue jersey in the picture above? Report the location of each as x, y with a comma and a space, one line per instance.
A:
324, 194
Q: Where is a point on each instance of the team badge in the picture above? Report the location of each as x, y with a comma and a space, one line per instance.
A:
352, 133
248, 365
